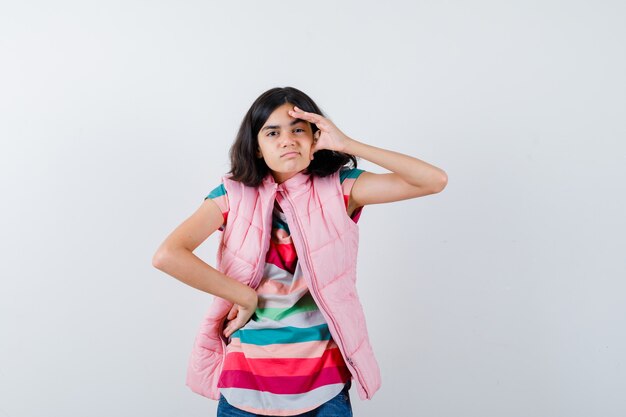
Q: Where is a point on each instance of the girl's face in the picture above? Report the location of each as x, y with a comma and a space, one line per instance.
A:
285, 143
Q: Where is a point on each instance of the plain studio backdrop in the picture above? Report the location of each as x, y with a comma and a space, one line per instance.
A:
503, 295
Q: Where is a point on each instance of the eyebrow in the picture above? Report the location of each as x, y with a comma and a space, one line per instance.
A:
295, 122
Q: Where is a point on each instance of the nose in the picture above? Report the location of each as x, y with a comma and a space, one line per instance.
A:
288, 139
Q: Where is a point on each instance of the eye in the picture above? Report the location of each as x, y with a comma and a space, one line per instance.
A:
271, 133
300, 129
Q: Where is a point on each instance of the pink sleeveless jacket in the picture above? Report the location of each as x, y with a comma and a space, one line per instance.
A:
326, 241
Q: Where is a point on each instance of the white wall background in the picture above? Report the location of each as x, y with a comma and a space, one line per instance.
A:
502, 296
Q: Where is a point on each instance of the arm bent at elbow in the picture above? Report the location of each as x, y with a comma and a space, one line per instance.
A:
186, 267
175, 257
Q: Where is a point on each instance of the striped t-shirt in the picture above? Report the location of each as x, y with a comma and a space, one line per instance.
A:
284, 361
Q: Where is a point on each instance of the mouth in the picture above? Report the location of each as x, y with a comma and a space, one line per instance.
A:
290, 153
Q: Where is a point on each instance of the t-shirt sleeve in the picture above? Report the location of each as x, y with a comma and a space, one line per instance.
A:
347, 177
218, 195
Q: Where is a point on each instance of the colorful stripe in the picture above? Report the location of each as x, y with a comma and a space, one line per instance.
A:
218, 194
300, 350
284, 404
280, 367
285, 334
284, 384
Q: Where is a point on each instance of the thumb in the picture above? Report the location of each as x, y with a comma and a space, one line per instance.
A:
233, 312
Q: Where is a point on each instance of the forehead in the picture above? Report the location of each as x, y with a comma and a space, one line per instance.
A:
280, 117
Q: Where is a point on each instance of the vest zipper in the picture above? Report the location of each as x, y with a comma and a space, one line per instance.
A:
318, 300
254, 283
256, 280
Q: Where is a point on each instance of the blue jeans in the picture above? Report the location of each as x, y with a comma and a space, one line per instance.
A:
339, 406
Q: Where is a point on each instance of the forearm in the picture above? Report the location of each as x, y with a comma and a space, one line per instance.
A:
412, 170
191, 270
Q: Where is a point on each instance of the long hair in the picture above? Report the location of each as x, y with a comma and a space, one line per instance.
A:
250, 170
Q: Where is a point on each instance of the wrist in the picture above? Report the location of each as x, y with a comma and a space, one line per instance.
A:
250, 299
349, 146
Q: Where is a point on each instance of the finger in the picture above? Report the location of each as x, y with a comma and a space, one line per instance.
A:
230, 329
234, 325
311, 117
233, 312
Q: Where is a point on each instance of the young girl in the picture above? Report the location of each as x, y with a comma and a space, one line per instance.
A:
286, 333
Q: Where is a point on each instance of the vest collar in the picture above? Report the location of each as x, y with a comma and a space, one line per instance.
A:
299, 182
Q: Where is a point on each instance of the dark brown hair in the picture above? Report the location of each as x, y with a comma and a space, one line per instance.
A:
250, 170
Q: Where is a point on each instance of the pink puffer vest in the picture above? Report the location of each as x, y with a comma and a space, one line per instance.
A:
326, 240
